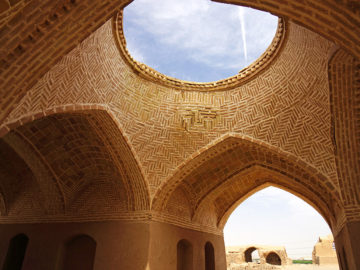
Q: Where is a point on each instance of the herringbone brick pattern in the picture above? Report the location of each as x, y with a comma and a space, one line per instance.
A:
19, 190
35, 34
51, 195
166, 126
225, 173
79, 123
344, 77
76, 156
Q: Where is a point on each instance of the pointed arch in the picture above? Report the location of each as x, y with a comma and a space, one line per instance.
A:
248, 254
26, 187
220, 174
225, 198
83, 147
52, 196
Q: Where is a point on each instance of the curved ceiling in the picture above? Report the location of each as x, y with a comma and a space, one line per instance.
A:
342, 27
213, 183
81, 157
285, 106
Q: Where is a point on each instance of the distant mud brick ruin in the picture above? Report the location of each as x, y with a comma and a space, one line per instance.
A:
323, 252
271, 257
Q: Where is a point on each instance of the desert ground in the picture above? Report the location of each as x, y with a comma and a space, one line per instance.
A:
310, 267
286, 267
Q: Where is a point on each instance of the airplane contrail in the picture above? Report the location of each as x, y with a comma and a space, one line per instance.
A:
243, 33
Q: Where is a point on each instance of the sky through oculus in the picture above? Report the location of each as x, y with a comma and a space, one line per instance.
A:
200, 40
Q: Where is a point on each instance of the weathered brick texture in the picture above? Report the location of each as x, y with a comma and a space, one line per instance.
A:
157, 120
35, 35
77, 122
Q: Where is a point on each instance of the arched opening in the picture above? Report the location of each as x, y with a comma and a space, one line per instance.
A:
273, 258
236, 167
80, 150
184, 255
79, 253
284, 228
209, 256
16, 252
224, 175
251, 254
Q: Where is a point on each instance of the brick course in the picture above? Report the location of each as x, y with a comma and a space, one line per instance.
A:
81, 123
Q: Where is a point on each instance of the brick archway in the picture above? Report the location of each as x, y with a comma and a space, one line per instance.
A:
273, 258
212, 183
87, 156
248, 254
336, 21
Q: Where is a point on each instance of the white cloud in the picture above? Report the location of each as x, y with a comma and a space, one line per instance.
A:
135, 51
207, 32
275, 217
243, 31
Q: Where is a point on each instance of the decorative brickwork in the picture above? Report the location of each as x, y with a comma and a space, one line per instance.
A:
84, 136
35, 35
81, 156
291, 114
344, 80
229, 171
45, 180
19, 191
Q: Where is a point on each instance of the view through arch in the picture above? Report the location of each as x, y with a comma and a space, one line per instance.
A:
281, 227
251, 254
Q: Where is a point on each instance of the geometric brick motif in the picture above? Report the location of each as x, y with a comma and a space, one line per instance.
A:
292, 114
81, 162
286, 106
213, 182
344, 81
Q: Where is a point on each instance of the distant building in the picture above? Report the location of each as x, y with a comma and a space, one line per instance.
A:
240, 257
324, 251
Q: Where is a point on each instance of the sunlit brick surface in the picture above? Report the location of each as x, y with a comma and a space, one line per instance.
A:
161, 123
35, 35
344, 77
82, 163
86, 138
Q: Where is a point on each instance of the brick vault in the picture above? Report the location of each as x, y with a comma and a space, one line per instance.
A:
107, 160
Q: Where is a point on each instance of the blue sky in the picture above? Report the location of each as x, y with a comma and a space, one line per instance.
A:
196, 40
275, 217
204, 41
